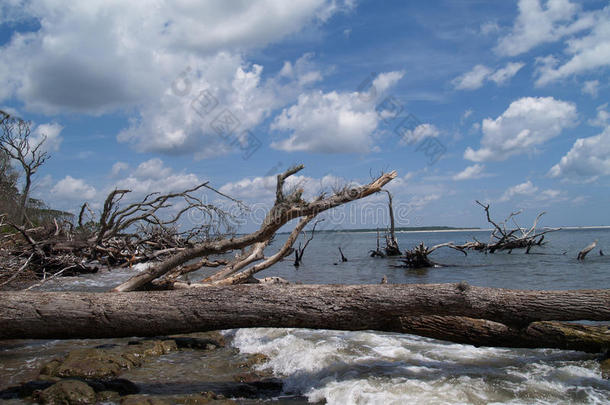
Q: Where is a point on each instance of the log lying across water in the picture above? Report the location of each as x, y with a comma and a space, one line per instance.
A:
455, 312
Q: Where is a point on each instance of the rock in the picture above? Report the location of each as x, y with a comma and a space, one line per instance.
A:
253, 360
107, 396
68, 392
143, 400
147, 348
25, 389
107, 362
51, 367
118, 385
192, 399
200, 341
91, 363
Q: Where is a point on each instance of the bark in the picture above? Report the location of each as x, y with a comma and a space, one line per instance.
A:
384, 307
481, 332
583, 253
391, 248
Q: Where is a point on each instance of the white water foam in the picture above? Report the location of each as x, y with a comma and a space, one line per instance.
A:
383, 368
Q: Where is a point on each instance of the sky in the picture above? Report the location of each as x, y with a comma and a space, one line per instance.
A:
503, 102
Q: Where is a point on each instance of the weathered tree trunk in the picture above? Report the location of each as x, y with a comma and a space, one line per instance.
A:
24, 197
505, 316
391, 248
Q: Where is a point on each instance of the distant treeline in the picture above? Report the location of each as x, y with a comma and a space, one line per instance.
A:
400, 229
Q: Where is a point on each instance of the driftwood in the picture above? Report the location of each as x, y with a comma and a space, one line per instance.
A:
506, 239
391, 244
417, 257
343, 258
455, 312
298, 253
377, 252
286, 208
123, 235
583, 253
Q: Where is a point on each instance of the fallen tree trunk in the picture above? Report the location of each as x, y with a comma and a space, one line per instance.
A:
393, 308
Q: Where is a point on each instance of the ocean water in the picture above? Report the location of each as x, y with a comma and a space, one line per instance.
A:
366, 367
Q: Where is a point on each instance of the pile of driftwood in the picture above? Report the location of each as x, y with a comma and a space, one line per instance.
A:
501, 239
143, 231
122, 235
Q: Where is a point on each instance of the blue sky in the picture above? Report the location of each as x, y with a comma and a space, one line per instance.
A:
505, 102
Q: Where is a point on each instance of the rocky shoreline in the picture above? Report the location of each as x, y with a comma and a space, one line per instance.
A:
96, 375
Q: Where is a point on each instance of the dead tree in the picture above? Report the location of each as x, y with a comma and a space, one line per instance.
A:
298, 253
391, 245
503, 238
124, 234
417, 257
583, 253
343, 258
286, 208
17, 143
455, 312
377, 252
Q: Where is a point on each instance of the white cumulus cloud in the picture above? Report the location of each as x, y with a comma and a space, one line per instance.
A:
588, 159
73, 189
471, 172
528, 189
527, 123
539, 23
333, 122
101, 56
476, 77
419, 133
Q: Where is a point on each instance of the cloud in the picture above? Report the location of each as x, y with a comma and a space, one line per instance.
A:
602, 119
334, 122
501, 76
98, 57
51, 135
419, 133
262, 188
588, 159
475, 78
536, 25
153, 176
471, 172
225, 87
588, 53
526, 123
527, 189
118, 167
71, 61
73, 189
591, 87
489, 27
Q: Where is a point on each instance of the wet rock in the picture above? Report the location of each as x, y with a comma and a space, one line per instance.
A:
107, 396
103, 363
118, 385
200, 341
25, 389
192, 399
51, 367
253, 360
143, 400
68, 392
265, 388
91, 363
147, 348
